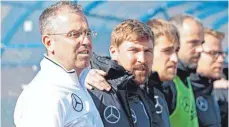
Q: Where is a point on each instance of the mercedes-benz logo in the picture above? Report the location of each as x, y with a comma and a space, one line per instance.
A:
158, 106
77, 103
111, 114
133, 115
185, 104
202, 103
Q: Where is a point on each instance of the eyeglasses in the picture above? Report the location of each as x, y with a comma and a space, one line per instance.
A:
76, 34
215, 54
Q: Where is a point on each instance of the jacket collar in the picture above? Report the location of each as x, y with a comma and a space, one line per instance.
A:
183, 71
154, 81
56, 72
57, 64
122, 81
201, 83
116, 74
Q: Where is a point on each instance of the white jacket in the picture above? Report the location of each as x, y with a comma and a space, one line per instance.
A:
55, 98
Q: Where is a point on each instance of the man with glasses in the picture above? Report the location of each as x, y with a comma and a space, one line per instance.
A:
55, 98
209, 68
182, 92
212, 57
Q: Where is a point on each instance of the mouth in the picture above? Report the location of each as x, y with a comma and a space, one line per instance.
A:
195, 59
140, 69
219, 68
84, 52
172, 67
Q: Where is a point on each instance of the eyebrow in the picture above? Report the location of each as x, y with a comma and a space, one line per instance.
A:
148, 49
169, 48
133, 47
209, 50
195, 41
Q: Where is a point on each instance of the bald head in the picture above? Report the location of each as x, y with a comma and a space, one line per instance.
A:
191, 38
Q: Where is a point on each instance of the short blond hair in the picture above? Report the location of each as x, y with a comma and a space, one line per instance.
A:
161, 27
217, 34
130, 30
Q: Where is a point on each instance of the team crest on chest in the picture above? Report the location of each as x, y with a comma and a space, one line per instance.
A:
77, 103
111, 114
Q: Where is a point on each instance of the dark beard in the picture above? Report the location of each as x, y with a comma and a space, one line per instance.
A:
141, 78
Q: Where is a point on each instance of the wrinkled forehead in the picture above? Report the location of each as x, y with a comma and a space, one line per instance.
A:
70, 20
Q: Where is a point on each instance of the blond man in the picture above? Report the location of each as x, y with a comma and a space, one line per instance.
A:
128, 73
210, 67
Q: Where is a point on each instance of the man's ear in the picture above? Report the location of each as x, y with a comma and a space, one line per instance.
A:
114, 52
48, 43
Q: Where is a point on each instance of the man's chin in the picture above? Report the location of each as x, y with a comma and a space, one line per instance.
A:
82, 64
140, 79
170, 77
216, 75
192, 66
167, 77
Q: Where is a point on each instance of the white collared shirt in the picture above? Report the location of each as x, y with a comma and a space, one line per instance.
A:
55, 98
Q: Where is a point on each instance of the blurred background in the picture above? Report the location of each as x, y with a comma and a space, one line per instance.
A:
22, 50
